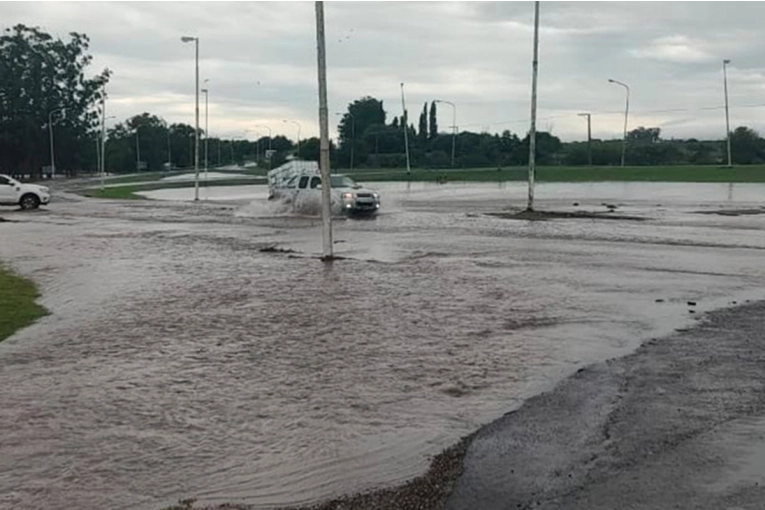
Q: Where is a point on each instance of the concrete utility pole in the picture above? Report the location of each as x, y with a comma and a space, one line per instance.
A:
102, 148
326, 196
405, 118
626, 114
727, 118
207, 136
137, 151
533, 130
589, 138
196, 115
169, 150
52, 150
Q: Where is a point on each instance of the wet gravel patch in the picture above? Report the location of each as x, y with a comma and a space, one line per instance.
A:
651, 428
554, 215
734, 212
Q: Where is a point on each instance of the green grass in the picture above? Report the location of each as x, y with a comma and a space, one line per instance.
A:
128, 192
754, 173
18, 308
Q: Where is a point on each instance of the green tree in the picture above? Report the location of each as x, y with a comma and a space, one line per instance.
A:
433, 127
423, 133
746, 146
40, 74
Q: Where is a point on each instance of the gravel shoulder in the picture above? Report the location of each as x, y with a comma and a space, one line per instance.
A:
678, 424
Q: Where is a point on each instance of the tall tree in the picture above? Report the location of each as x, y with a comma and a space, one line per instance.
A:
423, 134
433, 128
40, 75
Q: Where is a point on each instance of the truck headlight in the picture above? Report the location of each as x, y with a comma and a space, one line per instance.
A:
347, 195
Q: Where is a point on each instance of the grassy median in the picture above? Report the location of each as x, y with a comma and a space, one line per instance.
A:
749, 173
128, 191
18, 307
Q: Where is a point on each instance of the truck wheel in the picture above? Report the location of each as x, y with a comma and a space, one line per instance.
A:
29, 201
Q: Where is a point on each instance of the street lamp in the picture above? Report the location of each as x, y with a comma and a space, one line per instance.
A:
454, 123
169, 149
187, 39
137, 151
727, 119
52, 150
207, 136
589, 138
626, 113
269, 142
353, 134
405, 117
298, 135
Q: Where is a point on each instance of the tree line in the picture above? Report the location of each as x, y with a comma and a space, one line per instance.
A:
44, 89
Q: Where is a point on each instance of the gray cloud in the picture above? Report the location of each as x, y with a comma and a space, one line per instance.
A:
261, 60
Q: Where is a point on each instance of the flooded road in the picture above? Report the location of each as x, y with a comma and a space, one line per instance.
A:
181, 361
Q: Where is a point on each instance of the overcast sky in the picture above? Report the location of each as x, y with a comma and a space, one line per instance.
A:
260, 58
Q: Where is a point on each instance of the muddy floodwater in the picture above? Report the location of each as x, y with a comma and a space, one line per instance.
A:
179, 360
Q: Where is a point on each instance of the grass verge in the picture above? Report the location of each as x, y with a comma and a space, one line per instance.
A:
753, 173
128, 192
18, 308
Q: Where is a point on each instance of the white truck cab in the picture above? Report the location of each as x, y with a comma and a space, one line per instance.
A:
27, 196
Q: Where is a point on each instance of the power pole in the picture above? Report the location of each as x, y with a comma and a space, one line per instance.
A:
727, 118
589, 138
103, 135
405, 118
533, 130
326, 196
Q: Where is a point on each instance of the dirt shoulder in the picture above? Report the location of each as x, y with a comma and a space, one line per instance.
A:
678, 424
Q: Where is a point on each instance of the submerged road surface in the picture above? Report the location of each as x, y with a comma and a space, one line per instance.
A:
181, 360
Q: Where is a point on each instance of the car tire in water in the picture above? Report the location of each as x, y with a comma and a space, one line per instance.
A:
29, 201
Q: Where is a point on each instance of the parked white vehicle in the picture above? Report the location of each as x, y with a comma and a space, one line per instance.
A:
27, 196
298, 183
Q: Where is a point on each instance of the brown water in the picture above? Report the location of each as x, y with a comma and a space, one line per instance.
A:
180, 361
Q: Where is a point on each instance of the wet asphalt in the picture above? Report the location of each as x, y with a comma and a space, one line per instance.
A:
183, 357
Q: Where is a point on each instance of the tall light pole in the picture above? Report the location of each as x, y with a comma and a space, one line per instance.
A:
137, 151
298, 135
52, 150
626, 113
196, 115
454, 123
533, 130
589, 138
326, 218
169, 150
353, 134
405, 117
727, 118
269, 142
207, 136
102, 148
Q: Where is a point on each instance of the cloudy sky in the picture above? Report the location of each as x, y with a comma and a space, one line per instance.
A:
260, 58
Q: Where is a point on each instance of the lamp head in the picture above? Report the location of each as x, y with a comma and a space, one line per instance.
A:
726, 61
186, 38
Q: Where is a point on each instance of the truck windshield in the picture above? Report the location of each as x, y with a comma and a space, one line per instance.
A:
341, 181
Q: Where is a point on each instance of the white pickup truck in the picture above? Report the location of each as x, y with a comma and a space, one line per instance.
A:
298, 183
27, 196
